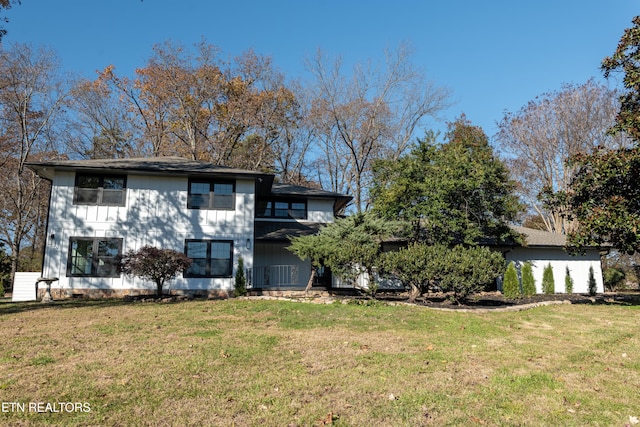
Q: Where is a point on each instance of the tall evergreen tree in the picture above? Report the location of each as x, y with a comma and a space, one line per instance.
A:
511, 285
548, 282
528, 281
458, 192
568, 281
593, 285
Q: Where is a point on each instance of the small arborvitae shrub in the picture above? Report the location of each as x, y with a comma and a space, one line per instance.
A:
510, 285
528, 282
548, 283
593, 286
613, 278
568, 281
240, 280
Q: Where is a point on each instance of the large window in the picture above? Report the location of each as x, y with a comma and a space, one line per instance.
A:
94, 257
211, 258
211, 195
282, 209
108, 190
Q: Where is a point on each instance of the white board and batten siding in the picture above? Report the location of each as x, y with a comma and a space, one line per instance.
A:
155, 213
559, 259
320, 211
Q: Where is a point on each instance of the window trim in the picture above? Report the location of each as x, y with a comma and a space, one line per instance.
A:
95, 256
272, 210
186, 274
100, 189
211, 203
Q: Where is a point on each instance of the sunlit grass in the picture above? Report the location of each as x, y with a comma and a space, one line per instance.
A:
280, 363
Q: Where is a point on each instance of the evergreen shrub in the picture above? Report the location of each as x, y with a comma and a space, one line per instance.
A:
548, 283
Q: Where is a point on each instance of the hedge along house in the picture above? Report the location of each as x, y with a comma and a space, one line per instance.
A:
543, 248
100, 209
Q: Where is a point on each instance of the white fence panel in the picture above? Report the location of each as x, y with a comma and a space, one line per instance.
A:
24, 286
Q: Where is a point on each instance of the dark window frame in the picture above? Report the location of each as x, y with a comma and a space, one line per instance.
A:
215, 201
271, 211
208, 258
99, 190
95, 258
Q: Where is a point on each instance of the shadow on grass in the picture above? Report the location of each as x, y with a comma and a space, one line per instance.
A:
627, 298
9, 307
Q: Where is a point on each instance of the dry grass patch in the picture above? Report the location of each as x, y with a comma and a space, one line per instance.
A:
275, 363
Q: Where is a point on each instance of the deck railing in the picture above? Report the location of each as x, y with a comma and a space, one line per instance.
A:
277, 277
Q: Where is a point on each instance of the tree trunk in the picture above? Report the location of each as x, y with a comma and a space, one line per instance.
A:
159, 284
311, 280
414, 293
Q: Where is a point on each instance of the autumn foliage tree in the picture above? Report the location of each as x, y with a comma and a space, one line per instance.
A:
192, 104
154, 264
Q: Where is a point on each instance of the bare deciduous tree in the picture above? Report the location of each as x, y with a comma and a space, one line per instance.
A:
100, 127
31, 94
370, 113
539, 138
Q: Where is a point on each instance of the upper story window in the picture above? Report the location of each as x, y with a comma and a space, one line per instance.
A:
105, 190
204, 194
281, 209
94, 257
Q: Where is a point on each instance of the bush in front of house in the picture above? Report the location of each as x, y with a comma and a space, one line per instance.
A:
240, 283
548, 283
464, 271
593, 286
528, 282
568, 281
155, 264
510, 284
458, 270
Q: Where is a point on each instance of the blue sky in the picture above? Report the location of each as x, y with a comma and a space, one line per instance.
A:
494, 56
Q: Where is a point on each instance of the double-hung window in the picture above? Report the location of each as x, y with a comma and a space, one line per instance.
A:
210, 258
104, 190
205, 194
94, 257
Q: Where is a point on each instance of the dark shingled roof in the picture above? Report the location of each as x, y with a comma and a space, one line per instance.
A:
279, 189
289, 190
283, 230
152, 165
535, 237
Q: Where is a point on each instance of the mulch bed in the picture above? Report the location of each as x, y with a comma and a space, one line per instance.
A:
495, 300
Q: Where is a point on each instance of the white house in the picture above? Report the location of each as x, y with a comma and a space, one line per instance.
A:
100, 209
543, 248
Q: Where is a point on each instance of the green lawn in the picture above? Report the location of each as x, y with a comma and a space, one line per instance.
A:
279, 363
